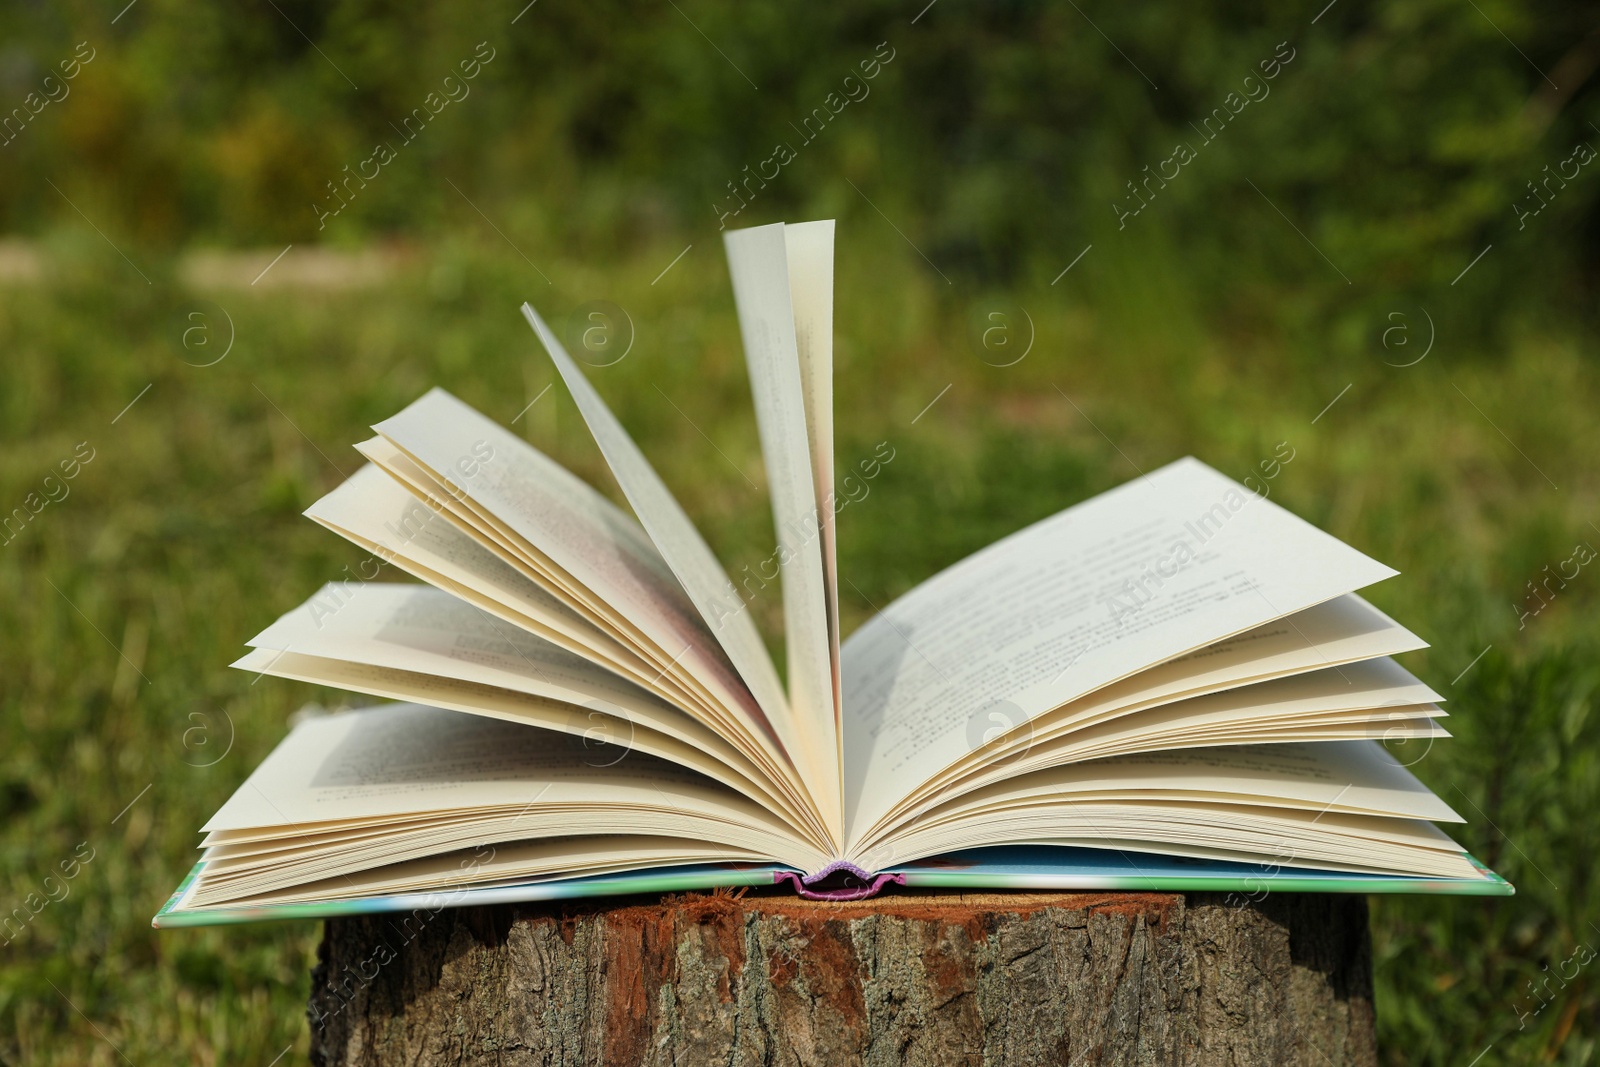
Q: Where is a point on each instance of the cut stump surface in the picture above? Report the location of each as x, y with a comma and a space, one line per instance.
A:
916, 978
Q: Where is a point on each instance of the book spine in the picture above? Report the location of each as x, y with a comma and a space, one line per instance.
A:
840, 880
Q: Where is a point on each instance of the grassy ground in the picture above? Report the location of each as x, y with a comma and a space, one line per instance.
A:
122, 603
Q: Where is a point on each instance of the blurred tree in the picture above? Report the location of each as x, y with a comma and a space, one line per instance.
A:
1397, 138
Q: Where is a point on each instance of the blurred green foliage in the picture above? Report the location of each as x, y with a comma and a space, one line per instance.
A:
1261, 283
1398, 136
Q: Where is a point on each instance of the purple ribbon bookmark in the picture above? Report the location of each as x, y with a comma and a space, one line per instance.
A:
855, 883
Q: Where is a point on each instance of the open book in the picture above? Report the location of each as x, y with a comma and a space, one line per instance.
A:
1172, 685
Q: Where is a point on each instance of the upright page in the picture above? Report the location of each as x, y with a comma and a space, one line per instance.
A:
758, 260
581, 532
810, 249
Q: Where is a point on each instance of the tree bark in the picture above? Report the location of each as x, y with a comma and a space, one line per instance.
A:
914, 978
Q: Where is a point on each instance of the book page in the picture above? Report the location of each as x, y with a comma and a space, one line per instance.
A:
1370, 687
1271, 837
675, 537
1171, 562
595, 724
581, 532
314, 857
1341, 631
374, 511
472, 521
758, 260
1397, 724
448, 649
810, 249
418, 627
1359, 777
405, 760
1376, 698
666, 675
505, 864
1317, 804
421, 629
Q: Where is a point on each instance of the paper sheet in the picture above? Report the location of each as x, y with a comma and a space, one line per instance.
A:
581, 532
405, 760
810, 250
675, 537
1164, 565
758, 260
376, 512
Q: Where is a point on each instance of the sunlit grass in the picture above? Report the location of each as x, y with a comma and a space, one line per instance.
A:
125, 600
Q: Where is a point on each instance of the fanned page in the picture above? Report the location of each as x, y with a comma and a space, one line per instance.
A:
347, 793
565, 536
417, 643
1176, 560
536, 505
758, 261
702, 576
377, 513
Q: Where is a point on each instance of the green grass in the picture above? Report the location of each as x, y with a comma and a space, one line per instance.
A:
124, 602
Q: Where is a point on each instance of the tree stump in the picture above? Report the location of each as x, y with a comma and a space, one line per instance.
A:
913, 978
